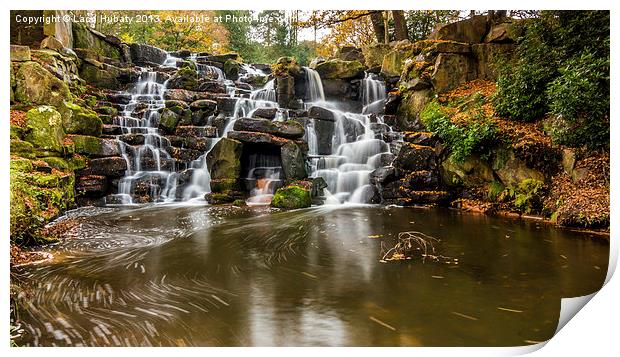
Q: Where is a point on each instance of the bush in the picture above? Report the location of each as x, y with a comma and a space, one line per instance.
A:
561, 66
579, 102
463, 139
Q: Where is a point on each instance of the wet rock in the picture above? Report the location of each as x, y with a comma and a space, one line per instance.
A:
293, 163
285, 91
223, 57
145, 54
415, 158
35, 85
420, 180
119, 98
92, 185
196, 131
383, 175
176, 103
382, 159
93, 146
194, 143
202, 110
321, 113
424, 197
337, 88
339, 69
132, 139
286, 129
184, 155
226, 105
185, 78
324, 132
224, 160
293, 196
186, 95
265, 113
107, 166
231, 69
109, 129
407, 118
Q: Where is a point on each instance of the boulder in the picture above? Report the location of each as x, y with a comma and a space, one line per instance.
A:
191, 131
52, 43
79, 120
472, 172
293, 196
92, 185
95, 147
487, 55
393, 61
350, 53
287, 66
211, 86
383, 175
415, 158
224, 160
286, 129
324, 130
451, 70
472, 30
35, 85
339, 69
374, 53
285, 91
265, 113
321, 113
226, 105
231, 69
293, 163
168, 120
222, 58
147, 54
185, 95
20, 53
409, 109
45, 131
503, 32
185, 78
420, 138
512, 170
113, 166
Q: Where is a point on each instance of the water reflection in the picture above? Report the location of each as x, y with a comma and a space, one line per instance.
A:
204, 276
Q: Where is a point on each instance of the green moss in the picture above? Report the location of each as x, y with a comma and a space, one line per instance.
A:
77, 162
16, 132
21, 164
496, 190
80, 120
107, 110
85, 144
292, 197
57, 163
528, 195
231, 68
45, 129
90, 100
223, 185
22, 148
239, 203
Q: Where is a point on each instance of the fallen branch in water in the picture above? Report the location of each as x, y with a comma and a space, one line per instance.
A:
409, 244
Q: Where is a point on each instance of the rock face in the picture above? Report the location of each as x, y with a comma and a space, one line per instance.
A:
45, 129
79, 120
452, 70
35, 85
20, 53
293, 163
85, 37
94, 146
145, 54
340, 69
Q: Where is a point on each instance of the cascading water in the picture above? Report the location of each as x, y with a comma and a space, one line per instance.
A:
314, 86
373, 93
145, 174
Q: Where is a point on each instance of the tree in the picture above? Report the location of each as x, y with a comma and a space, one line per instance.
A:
400, 25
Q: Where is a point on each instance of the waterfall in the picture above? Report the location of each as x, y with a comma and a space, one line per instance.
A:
373, 93
314, 86
145, 162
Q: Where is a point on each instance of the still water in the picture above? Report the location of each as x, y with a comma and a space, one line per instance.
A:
208, 276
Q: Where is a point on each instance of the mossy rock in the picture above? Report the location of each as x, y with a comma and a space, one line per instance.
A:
223, 185
292, 197
239, 203
22, 148
339, 69
224, 160
168, 120
83, 37
46, 132
94, 146
57, 163
21, 164
36, 85
107, 110
80, 120
285, 66
231, 69
77, 162
219, 198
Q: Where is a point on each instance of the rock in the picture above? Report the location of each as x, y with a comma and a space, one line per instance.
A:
185, 78
201, 144
374, 53
391, 103
451, 70
415, 158
176, 103
321, 113
106, 166
287, 66
185, 95
324, 130
20, 53
45, 129
224, 160
409, 110
420, 138
382, 159
35, 85
286, 129
93, 146
339, 69
424, 197
486, 56
337, 89
473, 172
92, 185
452, 47
417, 84
109, 129
265, 113
285, 91
132, 139
184, 155
512, 170
383, 175
145, 54
420, 180
231, 69
52, 43
204, 105
471, 30
293, 196
211, 86
350, 53
393, 61
85, 37
256, 138
196, 131
223, 57
106, 76
79, 120
168, 120
293, 163
503, 32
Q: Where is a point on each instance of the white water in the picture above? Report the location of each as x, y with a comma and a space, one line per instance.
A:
314, 86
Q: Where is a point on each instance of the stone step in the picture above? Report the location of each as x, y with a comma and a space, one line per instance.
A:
196, 131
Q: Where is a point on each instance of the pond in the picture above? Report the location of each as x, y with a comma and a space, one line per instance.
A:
194, 275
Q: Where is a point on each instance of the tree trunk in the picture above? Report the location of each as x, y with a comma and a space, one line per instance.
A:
377, 24
400, 25
386, 25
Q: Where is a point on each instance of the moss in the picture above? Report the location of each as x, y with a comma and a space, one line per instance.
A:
21, 164
90, 100
45, 129
223, 185
239, 203
231, 68
35, 85
57, 163
80, 120
292, 197
218, 198
77, 162
17, 132
22, 148
286, 66
496, 190
107, 110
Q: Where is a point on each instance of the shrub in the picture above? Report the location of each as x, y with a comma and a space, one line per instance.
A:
579, 102
463, 139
